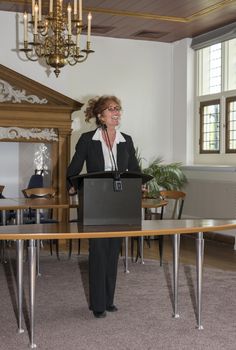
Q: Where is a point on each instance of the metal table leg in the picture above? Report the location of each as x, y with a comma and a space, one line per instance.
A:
199, 265
126, 254
176, 244
3, 243
19, 258
19, 254
144, 210
38, 243
32, 278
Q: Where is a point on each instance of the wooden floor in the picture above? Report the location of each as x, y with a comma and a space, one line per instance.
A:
217, 254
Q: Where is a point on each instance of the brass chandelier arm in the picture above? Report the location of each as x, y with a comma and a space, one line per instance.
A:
77, 57
30, 58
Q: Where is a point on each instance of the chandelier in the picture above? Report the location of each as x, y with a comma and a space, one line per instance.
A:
56, 36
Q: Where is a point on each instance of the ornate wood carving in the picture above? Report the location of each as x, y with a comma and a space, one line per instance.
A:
26, 116
8, 93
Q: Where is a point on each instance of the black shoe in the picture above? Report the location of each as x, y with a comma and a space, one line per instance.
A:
111, 308
99, 314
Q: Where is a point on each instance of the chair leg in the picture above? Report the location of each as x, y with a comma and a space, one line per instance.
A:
51, 242
2, 256
79, 246
57, 249
70, 248
138, 255
161, 243
148, 240
121, 247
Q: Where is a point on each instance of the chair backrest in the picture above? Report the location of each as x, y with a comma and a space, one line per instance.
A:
1, 190
41, 192
175, 203
36, 180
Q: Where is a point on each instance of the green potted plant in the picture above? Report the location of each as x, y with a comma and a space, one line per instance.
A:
165, 176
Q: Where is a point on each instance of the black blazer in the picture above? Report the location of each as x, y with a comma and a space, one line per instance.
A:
90, 151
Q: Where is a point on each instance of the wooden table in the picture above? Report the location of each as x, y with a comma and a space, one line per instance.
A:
19, 204
155, 228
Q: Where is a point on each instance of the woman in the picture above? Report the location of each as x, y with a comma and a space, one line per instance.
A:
105, 149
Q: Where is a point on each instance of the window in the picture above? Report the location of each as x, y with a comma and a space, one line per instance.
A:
210, 127
210, 69
216, 100
231, 125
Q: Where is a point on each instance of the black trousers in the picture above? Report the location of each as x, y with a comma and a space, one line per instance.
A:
103, 260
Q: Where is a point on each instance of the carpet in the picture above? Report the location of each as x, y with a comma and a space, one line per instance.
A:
145, 301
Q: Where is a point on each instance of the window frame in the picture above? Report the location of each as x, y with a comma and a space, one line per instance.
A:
227, 139
201, 138
225, 155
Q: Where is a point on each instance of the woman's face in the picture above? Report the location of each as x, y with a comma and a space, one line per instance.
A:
111, 115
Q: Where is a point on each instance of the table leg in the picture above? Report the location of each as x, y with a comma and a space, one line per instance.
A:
38, 243
19, 254
32, 278
144, 215
176, 244
126, 254
199, 265
3, 243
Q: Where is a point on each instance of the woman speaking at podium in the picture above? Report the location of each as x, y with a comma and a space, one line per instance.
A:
104, 149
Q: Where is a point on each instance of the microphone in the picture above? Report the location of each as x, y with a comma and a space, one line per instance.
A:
117, 184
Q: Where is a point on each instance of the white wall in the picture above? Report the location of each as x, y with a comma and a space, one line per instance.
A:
183, 101
144, 75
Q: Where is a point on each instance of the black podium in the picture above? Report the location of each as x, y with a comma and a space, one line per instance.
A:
108, 198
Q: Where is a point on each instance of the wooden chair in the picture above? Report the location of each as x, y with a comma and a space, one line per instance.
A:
1, 189
41, 192
172, 211
36, 180
178, 198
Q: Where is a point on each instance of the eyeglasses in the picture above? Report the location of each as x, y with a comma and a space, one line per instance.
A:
113, 109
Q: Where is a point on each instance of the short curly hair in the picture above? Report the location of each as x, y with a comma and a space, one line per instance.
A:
97, 105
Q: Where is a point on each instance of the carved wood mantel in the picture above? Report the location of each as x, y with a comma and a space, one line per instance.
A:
31, 112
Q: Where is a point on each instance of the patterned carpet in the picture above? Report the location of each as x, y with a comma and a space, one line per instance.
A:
144, 298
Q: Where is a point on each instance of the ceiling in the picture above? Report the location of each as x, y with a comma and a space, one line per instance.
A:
155, 20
